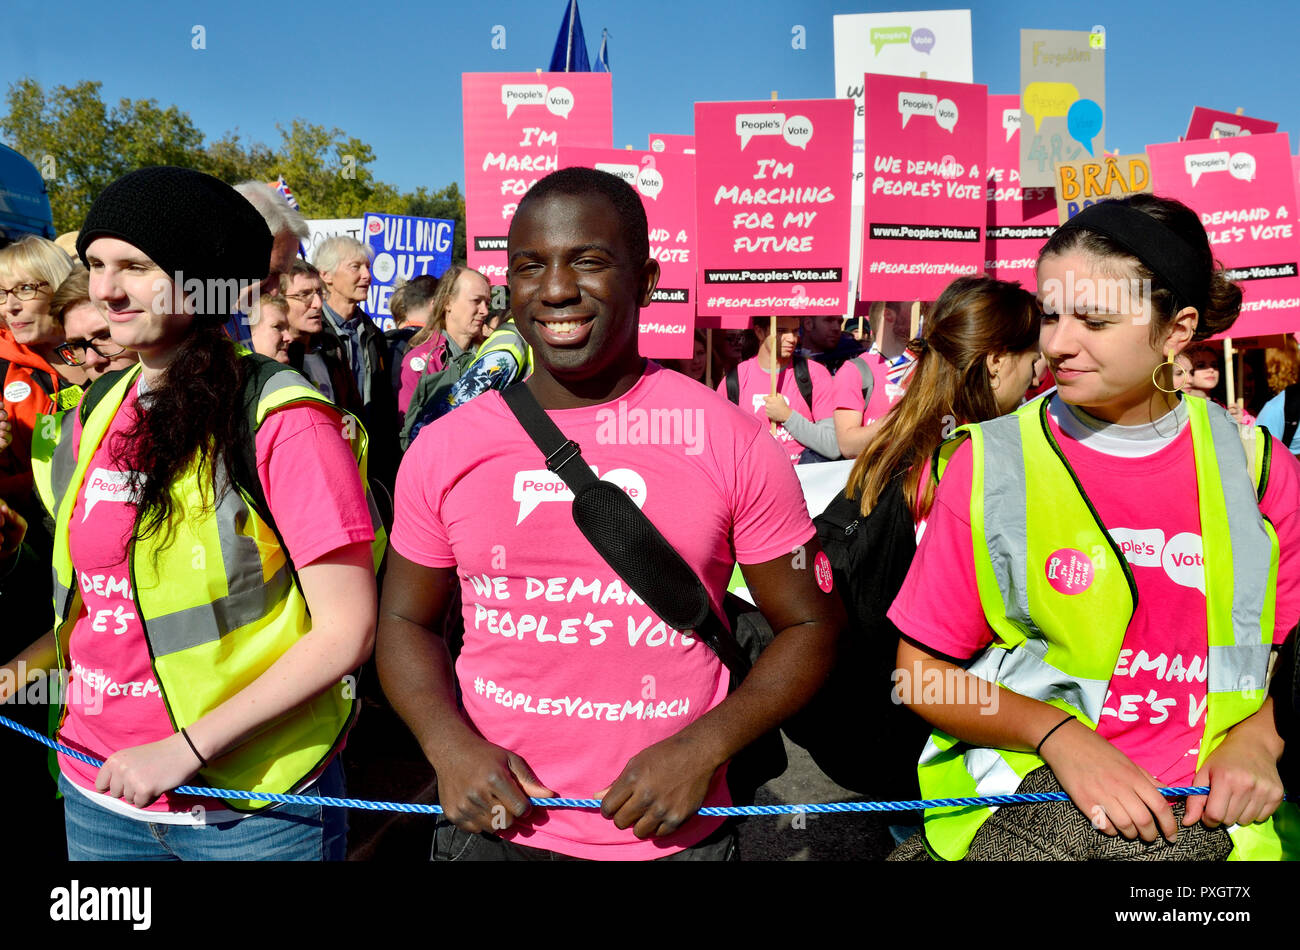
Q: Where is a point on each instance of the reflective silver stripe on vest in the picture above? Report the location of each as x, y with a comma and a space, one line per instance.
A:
62, 597
249, 597
1006, 528
1251, 548
1024, 670
1238, 669
206, 623
283, 380
62, 465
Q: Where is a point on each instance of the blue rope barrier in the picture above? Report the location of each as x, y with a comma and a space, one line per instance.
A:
200, 791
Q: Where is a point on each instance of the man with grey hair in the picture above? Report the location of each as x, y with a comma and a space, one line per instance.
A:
288, 228
344, 265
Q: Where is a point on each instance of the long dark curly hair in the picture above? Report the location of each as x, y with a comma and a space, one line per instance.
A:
193, 411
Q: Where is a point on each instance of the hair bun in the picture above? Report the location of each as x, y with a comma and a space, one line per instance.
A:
918, 345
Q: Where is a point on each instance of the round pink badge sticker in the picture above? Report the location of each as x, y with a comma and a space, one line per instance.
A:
1069, 571
822, 571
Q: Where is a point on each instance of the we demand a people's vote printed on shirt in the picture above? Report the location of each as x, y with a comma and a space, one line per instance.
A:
562, 663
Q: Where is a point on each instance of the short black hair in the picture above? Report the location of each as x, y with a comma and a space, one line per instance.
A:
585, 181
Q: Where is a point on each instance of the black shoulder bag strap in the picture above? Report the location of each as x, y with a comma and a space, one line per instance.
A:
1292, 409
733, 385
627, 540
803, 379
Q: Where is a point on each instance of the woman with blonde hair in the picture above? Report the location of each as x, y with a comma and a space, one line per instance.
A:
31, 374
453, 330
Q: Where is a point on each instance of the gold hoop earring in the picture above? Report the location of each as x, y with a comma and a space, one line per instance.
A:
1173, 368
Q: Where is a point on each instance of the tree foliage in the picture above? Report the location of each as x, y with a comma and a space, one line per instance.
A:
81, 145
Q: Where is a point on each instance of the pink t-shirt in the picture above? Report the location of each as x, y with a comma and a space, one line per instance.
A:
562, 664
1155, 708
756, 382
113, 699
848, 389
418, 361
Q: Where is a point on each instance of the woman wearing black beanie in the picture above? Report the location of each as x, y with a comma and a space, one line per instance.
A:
211, 622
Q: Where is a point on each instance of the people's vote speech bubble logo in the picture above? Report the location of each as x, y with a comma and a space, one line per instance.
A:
1011, 122
534, 487
650, 181
1240, 165
882, 36
1084, 121
916, 103
627, 172
1047, 100
558, 101
1226, 130
1141, 547
923, 40
1184, 561
797, 130
105, 485
944, 111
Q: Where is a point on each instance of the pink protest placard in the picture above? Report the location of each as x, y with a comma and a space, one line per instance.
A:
773, 199
1244, 190
925, 211
514, 123
666, 184
673, 144
1019, 220
1212, 124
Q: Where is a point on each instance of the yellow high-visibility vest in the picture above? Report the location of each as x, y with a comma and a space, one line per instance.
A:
1060, 647
219, 602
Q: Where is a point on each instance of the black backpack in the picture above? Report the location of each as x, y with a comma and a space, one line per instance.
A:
802, 379
853, 729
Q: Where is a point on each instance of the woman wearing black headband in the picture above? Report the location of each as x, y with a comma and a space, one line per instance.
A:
1115, 561
210, 622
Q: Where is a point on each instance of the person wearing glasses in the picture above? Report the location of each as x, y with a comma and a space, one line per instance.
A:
31, 375
87, 342
303, 290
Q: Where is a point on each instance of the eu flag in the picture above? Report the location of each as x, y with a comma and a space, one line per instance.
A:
570, 54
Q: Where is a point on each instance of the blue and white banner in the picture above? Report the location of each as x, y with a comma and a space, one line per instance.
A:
405, 247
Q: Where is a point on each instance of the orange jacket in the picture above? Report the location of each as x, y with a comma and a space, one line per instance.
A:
28, 384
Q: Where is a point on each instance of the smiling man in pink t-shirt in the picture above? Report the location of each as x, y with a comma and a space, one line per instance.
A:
569, 684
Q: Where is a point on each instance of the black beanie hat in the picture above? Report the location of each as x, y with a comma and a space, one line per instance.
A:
187, 222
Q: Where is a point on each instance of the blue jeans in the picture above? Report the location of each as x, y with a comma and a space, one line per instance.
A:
284, 833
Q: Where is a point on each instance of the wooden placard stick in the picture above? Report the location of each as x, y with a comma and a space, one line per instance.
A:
916, 320
1228, 378
771, 338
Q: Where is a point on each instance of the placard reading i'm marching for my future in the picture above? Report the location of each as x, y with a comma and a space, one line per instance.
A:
772, 206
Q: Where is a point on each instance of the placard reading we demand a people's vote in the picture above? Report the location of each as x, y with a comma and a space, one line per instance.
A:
773, 206
1020, 220
514, 123
1244, 190
925, 206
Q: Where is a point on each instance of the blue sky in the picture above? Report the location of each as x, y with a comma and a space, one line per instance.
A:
390, 74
